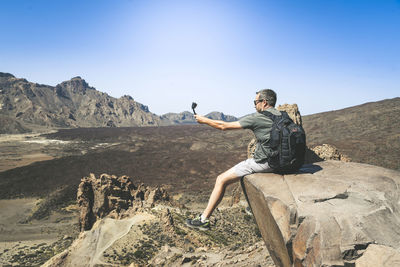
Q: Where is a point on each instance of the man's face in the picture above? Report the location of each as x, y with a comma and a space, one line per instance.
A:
259, 104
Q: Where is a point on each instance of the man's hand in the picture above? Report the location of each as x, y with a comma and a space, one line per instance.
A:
200, 119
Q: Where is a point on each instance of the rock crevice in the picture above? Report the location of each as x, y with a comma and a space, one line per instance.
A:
338, 196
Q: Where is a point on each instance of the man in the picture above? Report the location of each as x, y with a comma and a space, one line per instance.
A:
261, 126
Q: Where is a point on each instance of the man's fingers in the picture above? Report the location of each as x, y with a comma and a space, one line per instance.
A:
198, 118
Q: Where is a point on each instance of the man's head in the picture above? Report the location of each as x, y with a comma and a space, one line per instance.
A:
264, 99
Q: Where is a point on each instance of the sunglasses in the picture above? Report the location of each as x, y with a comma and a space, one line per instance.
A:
256, 101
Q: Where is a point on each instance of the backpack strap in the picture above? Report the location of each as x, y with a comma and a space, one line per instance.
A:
275, 117
268, 114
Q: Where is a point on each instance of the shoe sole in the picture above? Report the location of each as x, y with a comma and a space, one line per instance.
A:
198, 227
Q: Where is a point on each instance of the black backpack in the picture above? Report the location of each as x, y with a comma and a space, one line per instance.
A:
288, 143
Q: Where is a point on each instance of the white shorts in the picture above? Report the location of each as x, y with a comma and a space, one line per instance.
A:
250, 166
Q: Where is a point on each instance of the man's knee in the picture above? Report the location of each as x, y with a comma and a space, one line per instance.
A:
226, 178
220, 179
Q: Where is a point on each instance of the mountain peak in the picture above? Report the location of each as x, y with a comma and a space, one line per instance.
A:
126, 97
6, 75
216, 115
76, 84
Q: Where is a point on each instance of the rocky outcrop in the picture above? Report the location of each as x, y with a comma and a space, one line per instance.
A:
112, 196
325, 152
167, 222
293, 112
251, 148
328, 214
70, 104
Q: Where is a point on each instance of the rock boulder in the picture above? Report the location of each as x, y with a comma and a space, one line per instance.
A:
328, 214
324, 152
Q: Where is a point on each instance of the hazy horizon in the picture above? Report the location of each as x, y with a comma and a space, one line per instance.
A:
166, 54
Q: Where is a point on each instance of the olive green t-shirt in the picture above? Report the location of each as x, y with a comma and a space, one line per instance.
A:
261, 126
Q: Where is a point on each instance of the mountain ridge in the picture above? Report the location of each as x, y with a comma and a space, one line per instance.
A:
27, 106
69, 104
187, 117
368, 132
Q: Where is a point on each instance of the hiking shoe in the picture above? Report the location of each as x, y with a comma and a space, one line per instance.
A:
196, 223
248, 211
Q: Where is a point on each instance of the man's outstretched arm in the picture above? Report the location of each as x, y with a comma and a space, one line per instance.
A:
221, 125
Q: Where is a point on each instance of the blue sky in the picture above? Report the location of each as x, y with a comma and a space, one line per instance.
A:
322, 55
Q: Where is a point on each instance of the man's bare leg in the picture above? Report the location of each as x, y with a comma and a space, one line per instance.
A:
223, 180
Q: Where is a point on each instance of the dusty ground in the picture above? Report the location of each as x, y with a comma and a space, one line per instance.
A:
16, 150
147, 239
30, 243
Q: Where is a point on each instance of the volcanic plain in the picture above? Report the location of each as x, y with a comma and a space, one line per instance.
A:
41, 173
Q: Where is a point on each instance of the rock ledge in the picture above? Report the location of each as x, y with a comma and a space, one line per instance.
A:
328, 214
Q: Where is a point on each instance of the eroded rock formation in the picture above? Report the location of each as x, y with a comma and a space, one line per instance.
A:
325, 152
293, 112
329, 214
111, 195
